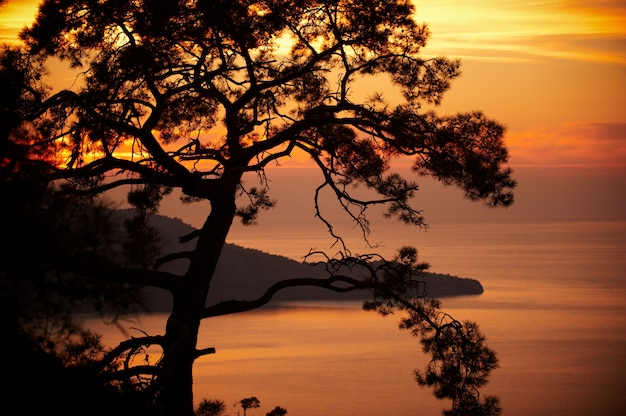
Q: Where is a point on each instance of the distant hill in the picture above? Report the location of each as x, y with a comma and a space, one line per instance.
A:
244, 273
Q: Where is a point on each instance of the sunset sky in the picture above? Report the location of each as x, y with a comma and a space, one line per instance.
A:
554, 72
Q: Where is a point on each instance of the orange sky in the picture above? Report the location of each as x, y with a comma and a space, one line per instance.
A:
552, 71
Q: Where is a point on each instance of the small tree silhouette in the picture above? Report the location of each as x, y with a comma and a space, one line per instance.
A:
249, 403
211, 408
277, 411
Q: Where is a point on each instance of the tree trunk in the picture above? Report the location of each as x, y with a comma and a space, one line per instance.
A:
176, 383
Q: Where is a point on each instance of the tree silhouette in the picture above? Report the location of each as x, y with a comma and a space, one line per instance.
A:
46, 229
211, 408
249, 403
460, 362
277, 411
200, 96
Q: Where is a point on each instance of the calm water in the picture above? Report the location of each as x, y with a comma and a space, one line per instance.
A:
554, 309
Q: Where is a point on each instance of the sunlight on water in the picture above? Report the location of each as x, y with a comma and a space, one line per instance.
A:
316, 361
554, 309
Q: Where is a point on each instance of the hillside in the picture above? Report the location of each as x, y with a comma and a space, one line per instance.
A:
244, 273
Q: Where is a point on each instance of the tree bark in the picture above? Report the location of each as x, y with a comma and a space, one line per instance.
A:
176, 385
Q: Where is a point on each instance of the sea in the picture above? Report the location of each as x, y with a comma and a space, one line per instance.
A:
553, 308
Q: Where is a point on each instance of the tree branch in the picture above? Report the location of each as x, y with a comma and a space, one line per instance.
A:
237, 306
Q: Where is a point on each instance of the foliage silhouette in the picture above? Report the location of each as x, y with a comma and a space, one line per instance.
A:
277, 411
211, 408
249, 403
200, 96
46, 228
44, 381
460, 362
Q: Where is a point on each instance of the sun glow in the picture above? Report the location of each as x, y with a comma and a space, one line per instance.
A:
14, 15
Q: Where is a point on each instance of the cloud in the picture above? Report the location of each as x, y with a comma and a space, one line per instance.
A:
517, 30
584, 144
